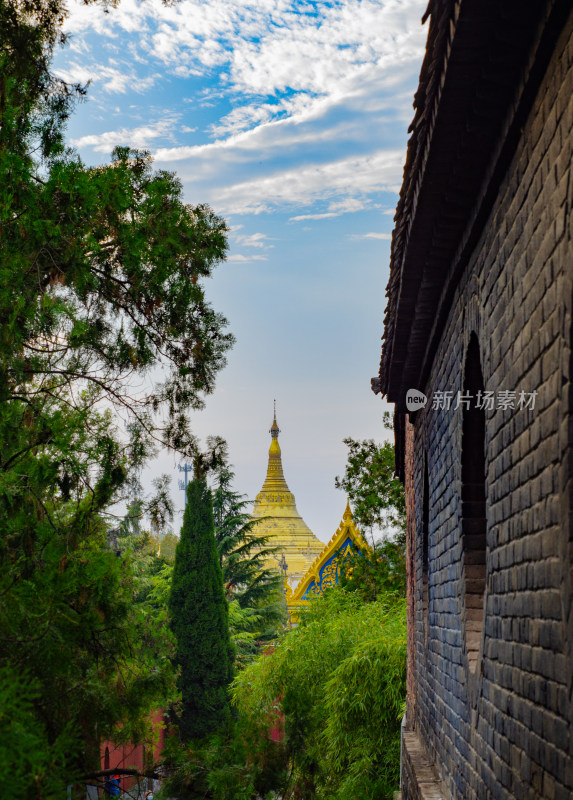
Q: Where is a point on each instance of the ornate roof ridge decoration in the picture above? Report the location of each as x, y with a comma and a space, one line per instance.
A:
323, 571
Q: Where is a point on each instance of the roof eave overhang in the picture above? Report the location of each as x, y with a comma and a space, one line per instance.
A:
492, 54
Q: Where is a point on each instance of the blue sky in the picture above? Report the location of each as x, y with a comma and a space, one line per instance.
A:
290, 119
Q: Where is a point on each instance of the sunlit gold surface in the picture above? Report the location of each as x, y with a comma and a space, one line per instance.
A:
286, 527
318, 577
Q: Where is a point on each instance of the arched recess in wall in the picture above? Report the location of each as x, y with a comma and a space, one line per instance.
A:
474, 525
425, 548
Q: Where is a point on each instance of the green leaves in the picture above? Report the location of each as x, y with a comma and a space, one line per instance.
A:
69, 623
199, 620
377, 571
377, 497
339, 681
102, 275
30, 762
101, 268
376, 494
255, 591
215, 757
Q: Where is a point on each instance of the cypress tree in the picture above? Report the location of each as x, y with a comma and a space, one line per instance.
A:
199, 620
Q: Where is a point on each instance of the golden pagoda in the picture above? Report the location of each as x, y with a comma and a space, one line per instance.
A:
286, 528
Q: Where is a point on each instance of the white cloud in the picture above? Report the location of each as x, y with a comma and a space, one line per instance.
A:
279, 83
258, 240
79, 45
113, 79
325, 215
240, 258
335, 209
346, 205
266, 138
75, 73
271, 58
345, 181
140, 137
129, 16
384, 236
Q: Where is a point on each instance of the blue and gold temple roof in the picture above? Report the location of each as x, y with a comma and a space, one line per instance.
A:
325, 569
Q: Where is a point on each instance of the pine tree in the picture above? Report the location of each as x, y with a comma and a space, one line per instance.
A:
255, 591
199, 620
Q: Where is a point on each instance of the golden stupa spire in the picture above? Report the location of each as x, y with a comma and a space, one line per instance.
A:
275, 480
275, 503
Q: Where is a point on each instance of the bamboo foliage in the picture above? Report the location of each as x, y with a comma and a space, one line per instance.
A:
338, 683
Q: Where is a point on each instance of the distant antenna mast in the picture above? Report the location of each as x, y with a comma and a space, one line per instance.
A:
186, 468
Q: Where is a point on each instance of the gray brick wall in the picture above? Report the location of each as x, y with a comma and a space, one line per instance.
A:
505, 732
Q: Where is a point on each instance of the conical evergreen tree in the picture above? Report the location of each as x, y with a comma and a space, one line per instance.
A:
199, 619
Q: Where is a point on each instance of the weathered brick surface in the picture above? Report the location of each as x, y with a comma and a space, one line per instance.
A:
505, 731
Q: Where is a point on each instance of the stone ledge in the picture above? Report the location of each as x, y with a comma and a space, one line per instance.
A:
419, 777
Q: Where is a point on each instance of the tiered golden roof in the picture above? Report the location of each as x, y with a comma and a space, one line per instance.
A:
283, 523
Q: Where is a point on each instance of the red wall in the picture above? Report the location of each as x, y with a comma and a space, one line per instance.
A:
130, 756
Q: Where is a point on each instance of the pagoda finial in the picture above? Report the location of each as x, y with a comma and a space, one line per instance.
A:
347, 516
275, 430
275, 480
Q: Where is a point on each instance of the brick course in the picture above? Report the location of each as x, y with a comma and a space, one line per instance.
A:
504, 732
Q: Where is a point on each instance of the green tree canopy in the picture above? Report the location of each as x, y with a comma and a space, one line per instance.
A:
377, 497
101, 268
101, 282
254, 590
199, 620
219, 765
376, 494
337, 684
377, 571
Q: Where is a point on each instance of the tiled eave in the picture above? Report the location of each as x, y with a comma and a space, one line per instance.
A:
481, 59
